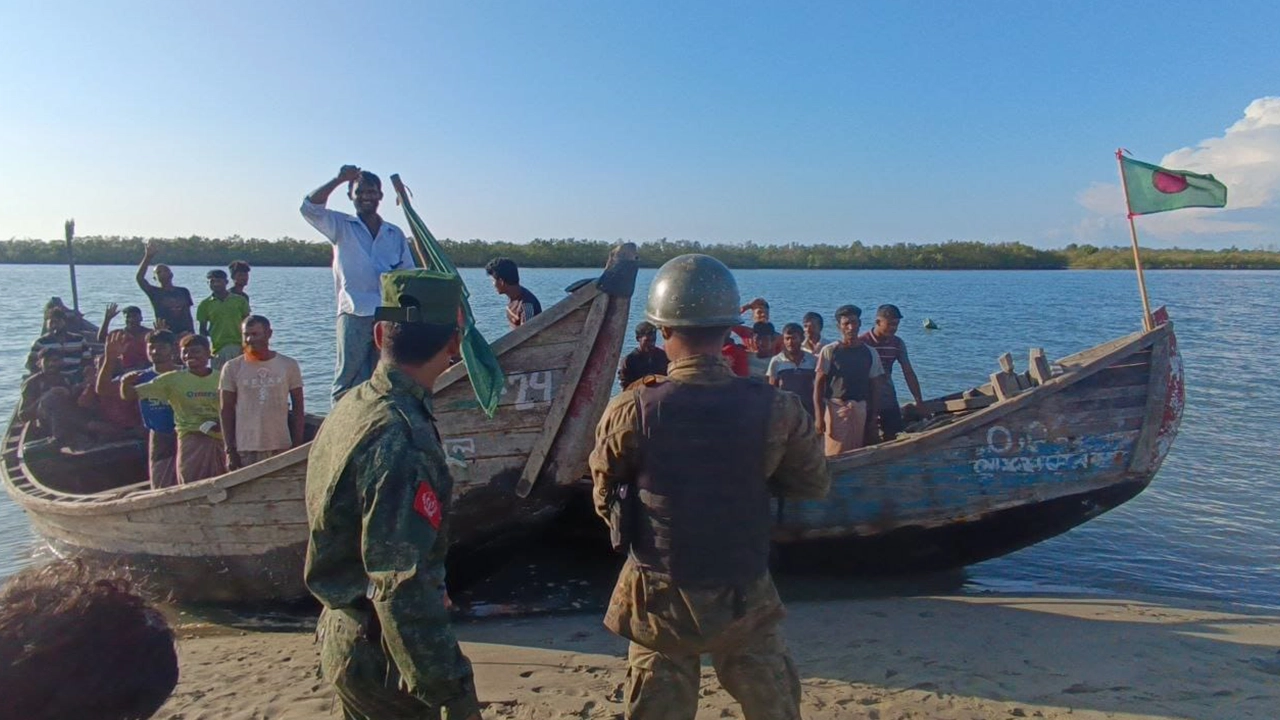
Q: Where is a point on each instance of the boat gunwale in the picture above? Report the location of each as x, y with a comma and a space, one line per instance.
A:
1093, 360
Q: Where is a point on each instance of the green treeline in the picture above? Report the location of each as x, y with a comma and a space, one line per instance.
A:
954, 255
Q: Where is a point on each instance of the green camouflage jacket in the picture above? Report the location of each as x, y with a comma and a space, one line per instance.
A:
378, 498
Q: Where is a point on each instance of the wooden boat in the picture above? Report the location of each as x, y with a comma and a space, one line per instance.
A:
241, 537
998, 474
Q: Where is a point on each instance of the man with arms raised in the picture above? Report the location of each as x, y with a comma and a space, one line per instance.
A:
259, 388
364, 247
683, 469
171, 303
378, 499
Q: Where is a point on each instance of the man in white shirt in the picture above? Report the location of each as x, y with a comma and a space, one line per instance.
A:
364, 247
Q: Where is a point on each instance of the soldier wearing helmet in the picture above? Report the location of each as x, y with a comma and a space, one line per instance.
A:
683, 469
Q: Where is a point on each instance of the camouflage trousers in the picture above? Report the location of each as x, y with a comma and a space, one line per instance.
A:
758, 674
366, 680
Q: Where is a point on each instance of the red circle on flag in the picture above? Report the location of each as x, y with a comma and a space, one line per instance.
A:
1168, 183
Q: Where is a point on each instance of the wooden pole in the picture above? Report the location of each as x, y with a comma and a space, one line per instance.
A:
1133, 237
70, 230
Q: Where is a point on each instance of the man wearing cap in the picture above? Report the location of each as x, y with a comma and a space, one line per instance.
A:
220, 316
378, 504
364, 247
683, 470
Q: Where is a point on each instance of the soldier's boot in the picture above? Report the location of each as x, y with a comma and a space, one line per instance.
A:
661, 687
761, 677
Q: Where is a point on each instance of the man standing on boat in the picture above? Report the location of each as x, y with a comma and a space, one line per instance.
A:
378, 499
883, 338
364, 247
262, 406
522, 304
683, 469
170, 303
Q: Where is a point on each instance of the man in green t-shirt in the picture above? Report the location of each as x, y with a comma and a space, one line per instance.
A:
192, 392
220, 316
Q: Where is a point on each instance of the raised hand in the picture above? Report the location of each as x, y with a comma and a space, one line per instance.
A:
151, 250
112, 311
160, 324
115, 344
348, 173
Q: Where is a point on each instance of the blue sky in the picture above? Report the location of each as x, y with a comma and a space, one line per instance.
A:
714, 121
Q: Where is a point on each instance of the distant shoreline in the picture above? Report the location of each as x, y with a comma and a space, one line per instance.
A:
572, 253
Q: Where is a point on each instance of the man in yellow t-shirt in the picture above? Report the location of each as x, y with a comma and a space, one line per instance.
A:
192, 392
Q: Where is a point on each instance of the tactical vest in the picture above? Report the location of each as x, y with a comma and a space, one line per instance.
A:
849, 377
704, 500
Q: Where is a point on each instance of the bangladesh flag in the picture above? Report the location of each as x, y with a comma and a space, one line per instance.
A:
1153, 189
486, 375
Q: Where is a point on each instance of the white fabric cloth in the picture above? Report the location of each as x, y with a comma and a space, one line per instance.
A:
359, 259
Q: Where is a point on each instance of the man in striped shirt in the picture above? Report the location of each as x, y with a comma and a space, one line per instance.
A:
883, 338
71, 347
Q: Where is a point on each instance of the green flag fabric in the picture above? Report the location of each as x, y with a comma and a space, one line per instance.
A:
487, 378
1153, 189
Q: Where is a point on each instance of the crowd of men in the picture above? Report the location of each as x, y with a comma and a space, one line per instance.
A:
845, 385
208, 396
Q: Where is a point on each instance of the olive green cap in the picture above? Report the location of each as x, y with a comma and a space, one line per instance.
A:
420, 296
693, 291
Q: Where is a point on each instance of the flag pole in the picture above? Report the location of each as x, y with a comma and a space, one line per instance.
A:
1133, 237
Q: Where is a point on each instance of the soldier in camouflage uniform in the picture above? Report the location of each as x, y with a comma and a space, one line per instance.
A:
683, 469
378, 498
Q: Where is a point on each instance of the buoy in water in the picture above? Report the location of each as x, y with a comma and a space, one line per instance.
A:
929, 324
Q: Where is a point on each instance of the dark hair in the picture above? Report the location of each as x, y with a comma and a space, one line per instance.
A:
132, 310
49, 351
160, 337
889, 312
257, 320
763, 328
792, 328
238, 266
369, 178
814, 317
644, 327
414, 343
701, 335
80, 644
193, 339
505, 269
56, 313
848, 311
220, 274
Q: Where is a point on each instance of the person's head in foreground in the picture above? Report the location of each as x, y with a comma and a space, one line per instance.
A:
693, 300
792, 338
646, 336
160, 349
79, 645
887, 319
367, 193
418, 327
505, 274
849, 320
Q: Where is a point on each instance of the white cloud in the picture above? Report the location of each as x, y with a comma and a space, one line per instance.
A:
1246, 158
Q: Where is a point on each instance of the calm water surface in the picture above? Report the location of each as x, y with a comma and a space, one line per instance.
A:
1208, 527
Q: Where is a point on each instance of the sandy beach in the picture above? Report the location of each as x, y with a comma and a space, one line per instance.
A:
947, 657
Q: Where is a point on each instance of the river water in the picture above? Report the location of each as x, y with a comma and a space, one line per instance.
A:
1207, 528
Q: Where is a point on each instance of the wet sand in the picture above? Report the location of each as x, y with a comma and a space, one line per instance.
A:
946, 657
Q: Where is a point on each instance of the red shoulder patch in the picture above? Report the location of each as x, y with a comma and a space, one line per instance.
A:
426, 504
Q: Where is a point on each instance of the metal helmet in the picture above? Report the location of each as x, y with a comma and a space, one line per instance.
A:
693, 291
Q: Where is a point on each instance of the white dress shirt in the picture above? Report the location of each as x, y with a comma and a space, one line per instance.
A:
359, 259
